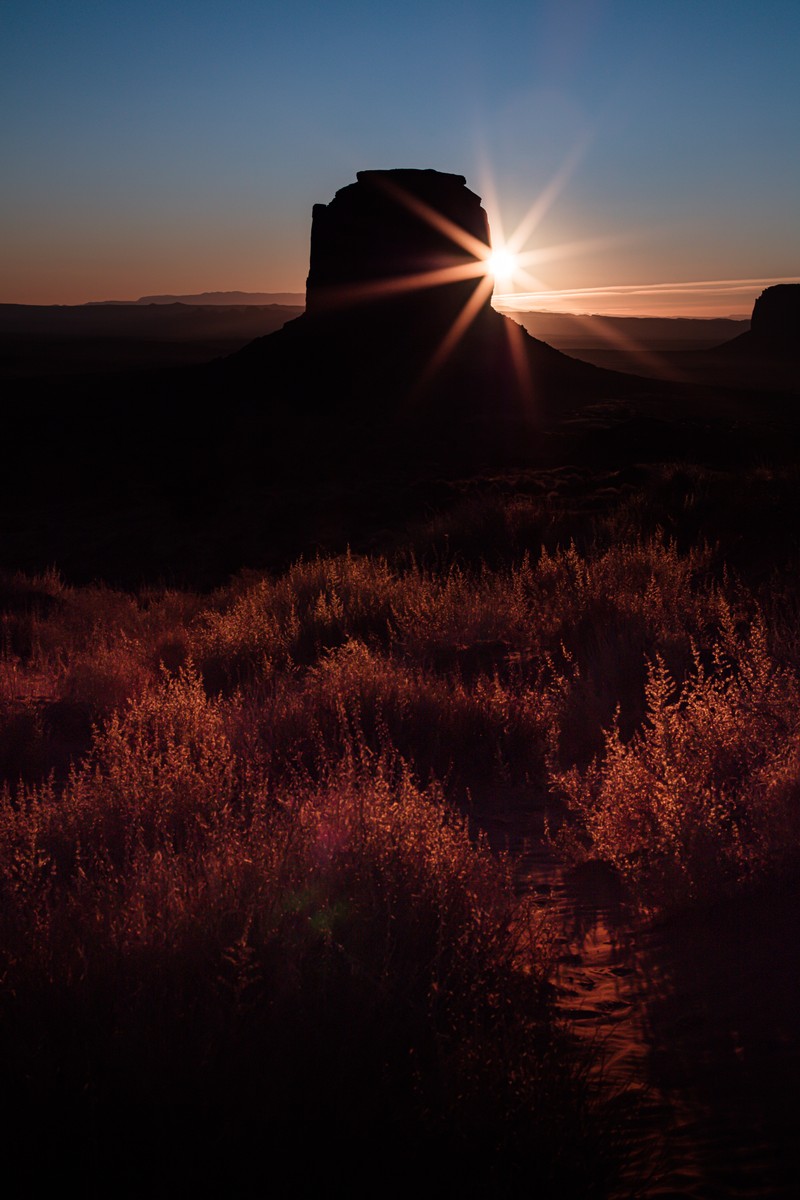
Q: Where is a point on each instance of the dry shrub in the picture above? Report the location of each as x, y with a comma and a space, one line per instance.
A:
260, 624
338, 956
704, 797
102, 679
155, 772
573, 626
470, 673
458, 620
242, 641
69, 657
484, 736
241, 904
469, 733
604, 615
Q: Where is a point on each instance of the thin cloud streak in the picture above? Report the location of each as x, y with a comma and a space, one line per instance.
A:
696, 289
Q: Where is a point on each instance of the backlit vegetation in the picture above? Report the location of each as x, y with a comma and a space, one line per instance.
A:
242, 884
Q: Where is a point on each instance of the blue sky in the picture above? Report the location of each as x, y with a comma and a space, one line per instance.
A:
179, 147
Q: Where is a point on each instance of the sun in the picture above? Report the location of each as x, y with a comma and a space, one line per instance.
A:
503, 264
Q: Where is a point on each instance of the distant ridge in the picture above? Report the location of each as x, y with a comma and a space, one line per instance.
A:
216, 298
566, 331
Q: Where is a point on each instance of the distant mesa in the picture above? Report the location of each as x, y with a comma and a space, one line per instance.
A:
218, 299
773, 339
776, 318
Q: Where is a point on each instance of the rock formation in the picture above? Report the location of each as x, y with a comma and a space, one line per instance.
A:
767, 356
399, 343
389, 240
775, 323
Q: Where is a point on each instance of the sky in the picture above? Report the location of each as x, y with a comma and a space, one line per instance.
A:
178, 147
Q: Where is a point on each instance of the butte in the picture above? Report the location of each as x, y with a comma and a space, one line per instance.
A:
399, 346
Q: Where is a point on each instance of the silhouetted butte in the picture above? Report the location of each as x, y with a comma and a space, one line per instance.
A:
399, 339
776, 317
774, 325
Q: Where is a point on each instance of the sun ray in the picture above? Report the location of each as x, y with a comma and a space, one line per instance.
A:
534, 283
521, 363
461, 237
570, 249
492, 206
546, 197
457, 330
345, 295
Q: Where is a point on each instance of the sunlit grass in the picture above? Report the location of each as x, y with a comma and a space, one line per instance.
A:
240, 881
704, 797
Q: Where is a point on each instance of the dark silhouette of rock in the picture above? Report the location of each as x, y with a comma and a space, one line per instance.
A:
391, 238
775, 322
399, 345
767, 356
